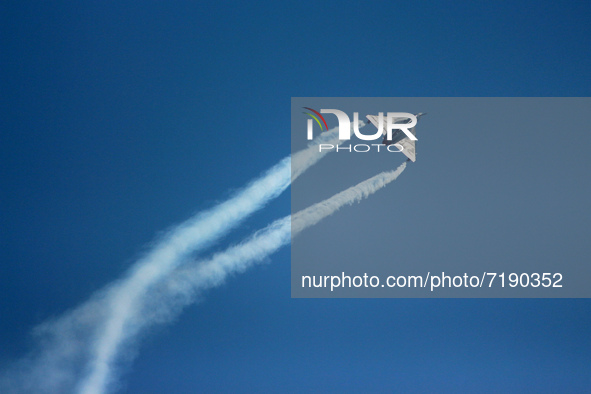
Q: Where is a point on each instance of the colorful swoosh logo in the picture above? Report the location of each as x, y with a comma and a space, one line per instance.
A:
315, 118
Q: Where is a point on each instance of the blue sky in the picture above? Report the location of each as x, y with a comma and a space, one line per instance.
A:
119, 121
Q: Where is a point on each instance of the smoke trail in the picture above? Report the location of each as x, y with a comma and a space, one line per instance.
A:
159, 263
187, 281
183, 286
93, 331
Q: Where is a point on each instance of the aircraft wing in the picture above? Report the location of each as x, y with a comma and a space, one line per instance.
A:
409, 148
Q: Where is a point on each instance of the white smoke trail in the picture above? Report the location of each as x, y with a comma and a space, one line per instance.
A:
183, 286
188, 238
213, 272
93, 331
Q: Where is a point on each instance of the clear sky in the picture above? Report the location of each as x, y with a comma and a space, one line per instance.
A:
120, 120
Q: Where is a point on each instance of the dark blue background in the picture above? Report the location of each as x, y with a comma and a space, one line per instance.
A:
118, 121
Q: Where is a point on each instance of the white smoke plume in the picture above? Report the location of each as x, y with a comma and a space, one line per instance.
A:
192, 279
95, 328
127, 299
91, 333
184, 285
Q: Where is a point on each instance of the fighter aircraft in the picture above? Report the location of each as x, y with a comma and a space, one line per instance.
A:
398, 136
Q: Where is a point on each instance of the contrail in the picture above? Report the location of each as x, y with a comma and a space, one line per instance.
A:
93, 330
185, 239
186, 283
202, 275
213, 272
